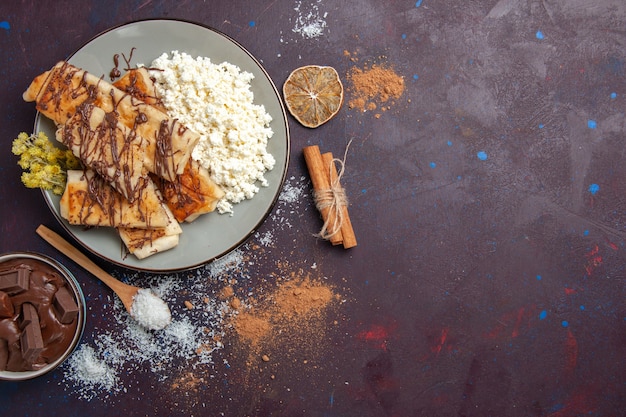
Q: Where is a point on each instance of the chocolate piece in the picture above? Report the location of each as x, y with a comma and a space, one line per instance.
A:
16, 280
29, 314
6, 306
31, 340
64, 305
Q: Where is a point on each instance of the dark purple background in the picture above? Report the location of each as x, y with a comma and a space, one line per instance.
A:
489, 204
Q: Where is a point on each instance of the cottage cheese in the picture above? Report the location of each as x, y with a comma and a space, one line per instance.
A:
215, 101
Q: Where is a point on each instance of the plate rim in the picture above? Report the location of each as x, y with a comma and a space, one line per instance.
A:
272, 204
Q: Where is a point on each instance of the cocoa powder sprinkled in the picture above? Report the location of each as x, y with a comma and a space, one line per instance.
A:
374, 87
252, 326
292, 305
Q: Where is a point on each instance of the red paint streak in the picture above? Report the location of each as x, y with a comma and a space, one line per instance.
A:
593, 260
612, 245
377, 334
593, 251
441, 341
571, 352
570, 291
517, 321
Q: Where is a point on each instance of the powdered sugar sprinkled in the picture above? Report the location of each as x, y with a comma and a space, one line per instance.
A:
290, 202
192, 337
149, 310
266, 239
89, 372
309, 23
291, 193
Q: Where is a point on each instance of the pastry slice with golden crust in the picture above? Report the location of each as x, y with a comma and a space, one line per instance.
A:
193, 192
88, 200
138, 83
60, 91
147, 242
108, 147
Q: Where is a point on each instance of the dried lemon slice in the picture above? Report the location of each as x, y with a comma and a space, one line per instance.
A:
313, 94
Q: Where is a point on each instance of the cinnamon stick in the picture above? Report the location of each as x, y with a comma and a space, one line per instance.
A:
347, 232
320, 179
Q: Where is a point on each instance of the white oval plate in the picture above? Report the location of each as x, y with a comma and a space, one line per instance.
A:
212, 235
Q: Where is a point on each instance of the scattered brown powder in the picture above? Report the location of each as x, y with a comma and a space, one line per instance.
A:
374, 87
252, 327
276, 328
301, 298
188, 382
285, 332
350, 55
235, 303
227, 292
294, 306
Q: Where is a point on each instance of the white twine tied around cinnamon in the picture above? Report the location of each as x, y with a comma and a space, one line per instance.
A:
334, 199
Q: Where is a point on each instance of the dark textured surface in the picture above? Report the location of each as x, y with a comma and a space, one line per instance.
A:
488, 202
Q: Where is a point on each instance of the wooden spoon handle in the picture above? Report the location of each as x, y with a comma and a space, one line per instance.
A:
77, 256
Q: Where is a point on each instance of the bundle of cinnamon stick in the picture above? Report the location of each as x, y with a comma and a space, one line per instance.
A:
330, 197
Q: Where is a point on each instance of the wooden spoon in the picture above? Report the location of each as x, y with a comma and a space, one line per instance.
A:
125, 292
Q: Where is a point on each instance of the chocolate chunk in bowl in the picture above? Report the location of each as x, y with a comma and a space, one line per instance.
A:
42, 315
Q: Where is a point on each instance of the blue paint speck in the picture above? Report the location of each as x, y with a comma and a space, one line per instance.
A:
449, 143
592, 124
539, 35
5, 25
252, 23
586, 233
482, 155
415, 76
613, 96
538, 277
541, 126
564, 323
582, 308
543, 315
433, 164
418, 3
404, 36
594, 188
363, 191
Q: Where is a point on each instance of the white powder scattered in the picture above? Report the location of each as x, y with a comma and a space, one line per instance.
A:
228, 262
149, 310
290, 193
121, 354
124, 347
216, 101
309, 23
292, 201
266, 239
89, 373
